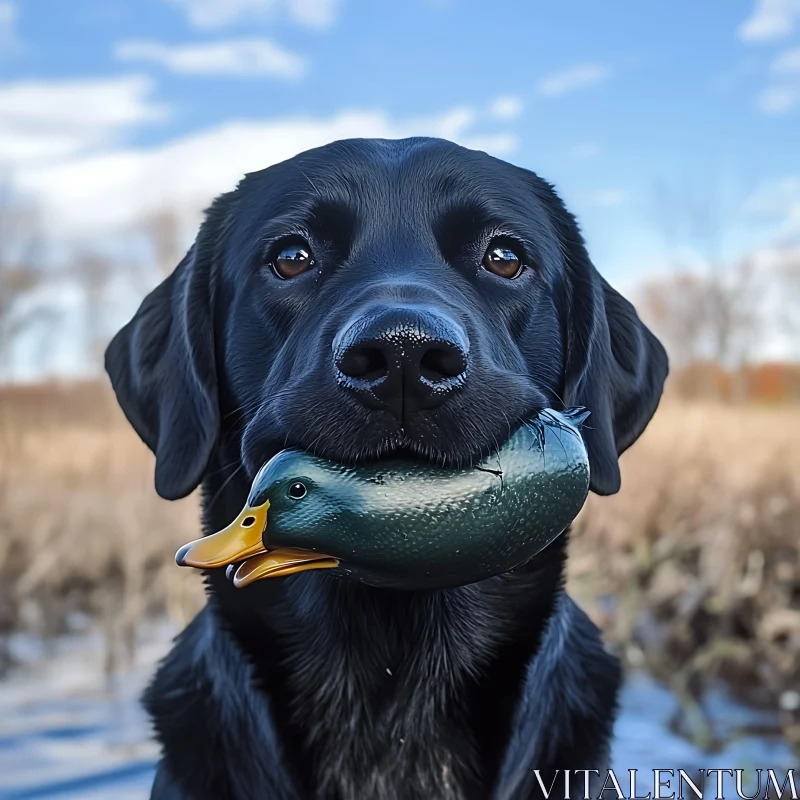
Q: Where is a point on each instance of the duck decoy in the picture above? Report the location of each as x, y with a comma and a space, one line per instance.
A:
406, 524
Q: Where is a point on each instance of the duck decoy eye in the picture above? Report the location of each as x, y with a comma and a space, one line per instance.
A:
297, 490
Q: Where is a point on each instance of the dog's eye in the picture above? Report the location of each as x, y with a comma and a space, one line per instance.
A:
502, 260
292, 260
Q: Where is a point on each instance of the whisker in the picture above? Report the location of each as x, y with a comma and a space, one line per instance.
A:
225, 483
257, 402
223, 468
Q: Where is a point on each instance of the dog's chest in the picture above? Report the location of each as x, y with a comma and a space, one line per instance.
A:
385, 743
380, 712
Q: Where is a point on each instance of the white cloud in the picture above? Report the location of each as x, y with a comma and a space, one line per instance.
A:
770, 20
774, 196
727, 81
314, 13
787, 62
91, 194
55, 119
585, 150
8, 22
783, 93
232, 57
506, 107
779, 99
778, 201
573, 78
220, 13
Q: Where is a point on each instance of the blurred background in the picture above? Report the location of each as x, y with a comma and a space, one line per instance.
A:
670, 128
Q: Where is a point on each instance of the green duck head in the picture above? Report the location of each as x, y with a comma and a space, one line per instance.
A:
288, 502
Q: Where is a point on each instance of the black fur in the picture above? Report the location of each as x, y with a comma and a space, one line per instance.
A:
311, 686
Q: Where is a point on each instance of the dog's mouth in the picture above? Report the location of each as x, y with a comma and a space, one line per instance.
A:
453, 454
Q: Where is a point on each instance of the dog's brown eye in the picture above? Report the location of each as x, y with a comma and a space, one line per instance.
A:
503, 261
292, 260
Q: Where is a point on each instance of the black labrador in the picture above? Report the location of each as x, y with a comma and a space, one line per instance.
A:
466, 299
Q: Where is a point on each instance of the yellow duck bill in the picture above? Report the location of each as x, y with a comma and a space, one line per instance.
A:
276, 564
240, 547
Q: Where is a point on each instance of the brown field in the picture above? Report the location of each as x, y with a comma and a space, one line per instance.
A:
82, 531
693, 569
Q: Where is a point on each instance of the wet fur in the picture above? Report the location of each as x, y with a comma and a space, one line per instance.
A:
315, 687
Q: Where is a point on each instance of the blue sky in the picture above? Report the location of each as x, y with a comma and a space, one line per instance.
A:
110, 110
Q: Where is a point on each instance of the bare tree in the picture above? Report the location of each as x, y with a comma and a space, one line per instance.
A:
158, 240
20, 270
715, 310
162, 229
789, 300
706, 317
734, 313
675, 306
92, 271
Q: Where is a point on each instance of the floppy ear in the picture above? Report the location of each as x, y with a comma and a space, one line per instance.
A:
163, 371
615, 366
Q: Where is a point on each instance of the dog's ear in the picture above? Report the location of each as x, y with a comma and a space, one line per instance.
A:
615, 366
163, 369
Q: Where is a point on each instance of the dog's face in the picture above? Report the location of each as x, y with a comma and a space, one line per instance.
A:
389, 297
375, 297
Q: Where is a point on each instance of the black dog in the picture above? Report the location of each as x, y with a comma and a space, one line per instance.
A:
372, 297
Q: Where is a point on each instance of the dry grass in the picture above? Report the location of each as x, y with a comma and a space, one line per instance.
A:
81, 528
693, 569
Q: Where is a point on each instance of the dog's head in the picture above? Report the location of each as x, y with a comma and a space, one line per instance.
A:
370, 297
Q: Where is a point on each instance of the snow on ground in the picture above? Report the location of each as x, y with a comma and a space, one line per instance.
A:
67, 733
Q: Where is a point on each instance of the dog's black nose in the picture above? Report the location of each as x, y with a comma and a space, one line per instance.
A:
402, 358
